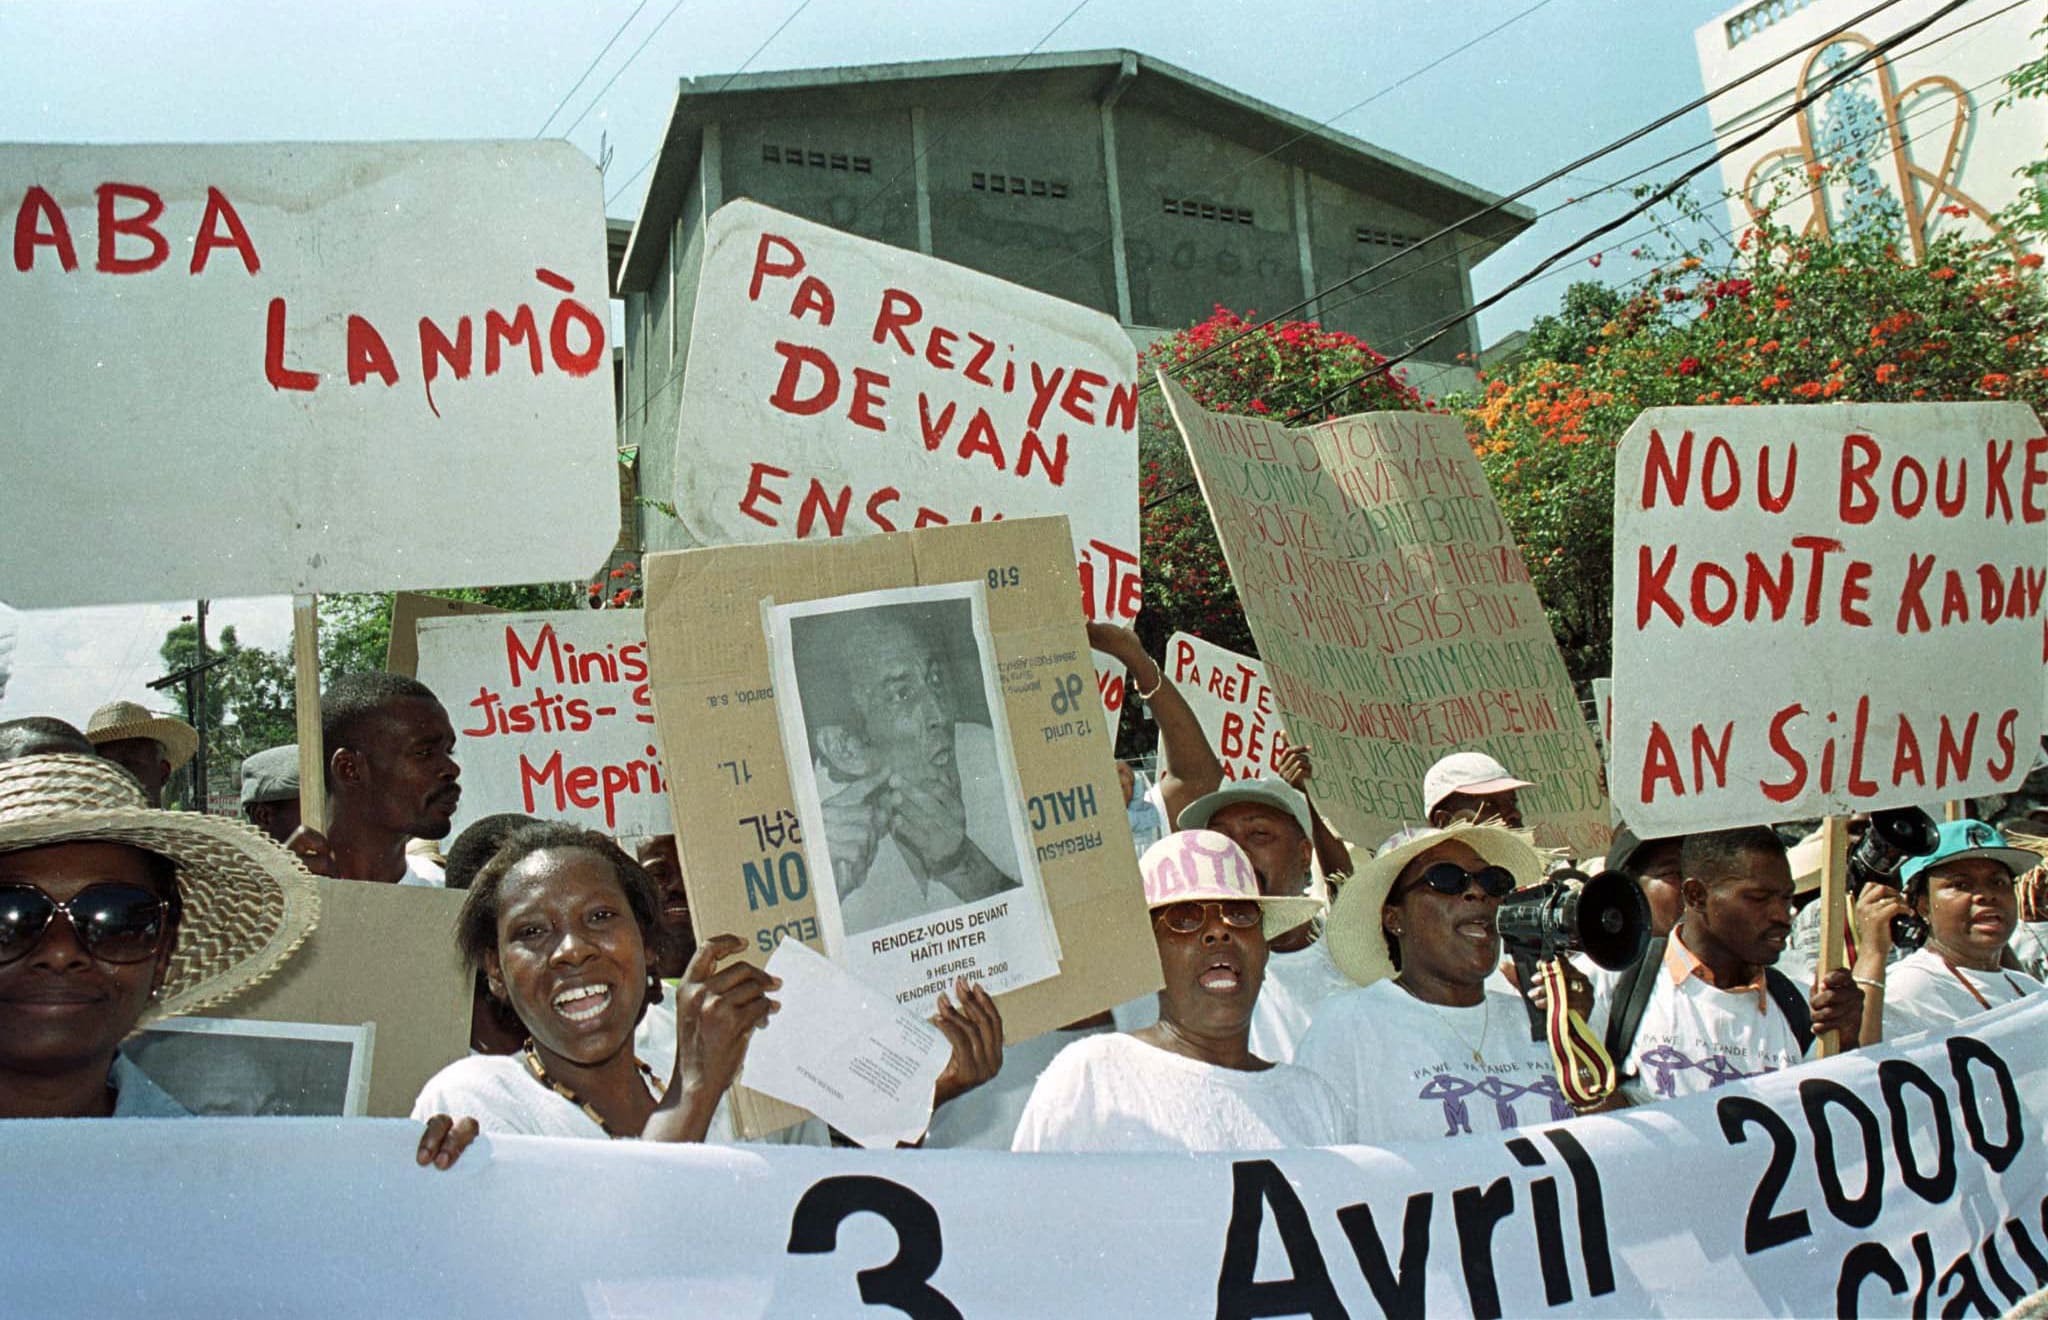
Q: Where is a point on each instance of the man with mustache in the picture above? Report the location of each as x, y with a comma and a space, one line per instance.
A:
911, 795
1720, 1007
391, 776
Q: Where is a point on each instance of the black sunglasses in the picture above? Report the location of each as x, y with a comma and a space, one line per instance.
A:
1451, 878
115, 923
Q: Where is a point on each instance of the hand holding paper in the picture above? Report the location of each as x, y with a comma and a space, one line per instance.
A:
846, 1052
717, 1011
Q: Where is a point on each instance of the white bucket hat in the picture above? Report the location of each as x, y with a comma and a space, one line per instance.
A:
1357, 940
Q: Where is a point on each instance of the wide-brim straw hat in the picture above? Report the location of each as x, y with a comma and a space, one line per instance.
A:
118, 720
247, 903
1202, 866
1358, 941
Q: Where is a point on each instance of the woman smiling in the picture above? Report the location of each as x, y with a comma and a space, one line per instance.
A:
561, 923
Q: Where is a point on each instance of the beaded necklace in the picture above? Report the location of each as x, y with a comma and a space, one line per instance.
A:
540, 1074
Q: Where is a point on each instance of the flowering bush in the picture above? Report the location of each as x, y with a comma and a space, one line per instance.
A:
1283, 372
1780, 319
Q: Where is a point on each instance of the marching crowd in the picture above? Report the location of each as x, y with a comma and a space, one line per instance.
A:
1314, 993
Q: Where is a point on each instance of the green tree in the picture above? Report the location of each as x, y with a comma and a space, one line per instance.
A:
355, 627
248, 701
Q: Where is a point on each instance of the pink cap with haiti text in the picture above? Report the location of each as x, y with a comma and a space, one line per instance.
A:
1202, 866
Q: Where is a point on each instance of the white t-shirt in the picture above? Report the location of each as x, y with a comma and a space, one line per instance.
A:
1295, 987
1921, 993
1695, 1036
1407, 1070
654, 1044
1116, 1093
423, 873
502, 1096
986, 1117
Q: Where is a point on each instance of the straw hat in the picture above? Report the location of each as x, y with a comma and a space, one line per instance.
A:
118, 720
1202, 866
1358, 942
247, 902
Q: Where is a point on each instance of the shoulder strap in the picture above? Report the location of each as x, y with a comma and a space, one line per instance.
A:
1786, 995
1632, 991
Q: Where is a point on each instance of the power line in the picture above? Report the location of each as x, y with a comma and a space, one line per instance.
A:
1626, 139
1841, 74
1000, 78
656, 153
1345, 113
620, 71
590, 66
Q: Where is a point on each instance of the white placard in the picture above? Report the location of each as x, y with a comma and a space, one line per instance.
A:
552, 716
302, 368
1230, 696
1825, 610
1900, 1180
898, 740
837, 386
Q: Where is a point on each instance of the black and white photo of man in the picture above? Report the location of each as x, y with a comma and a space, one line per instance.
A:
907, 772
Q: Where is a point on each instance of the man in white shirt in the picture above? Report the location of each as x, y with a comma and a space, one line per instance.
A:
1964, 892
1720, 1011
391, 778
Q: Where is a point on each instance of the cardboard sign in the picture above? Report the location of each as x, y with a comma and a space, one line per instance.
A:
1825, 610
742, 845
335, 359
382, 954
553, 716
408, 608
837, 386
1230, 696
1394, 614
1891, 1181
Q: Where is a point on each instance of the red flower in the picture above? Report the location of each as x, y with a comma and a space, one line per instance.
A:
1994, 382
594, 589
1259, 406
1885, 372
1768, 383
1945, 273
629, 566
1688, 366
1808, 390
2030, 261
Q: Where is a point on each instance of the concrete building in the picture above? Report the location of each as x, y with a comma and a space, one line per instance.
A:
1106, 178
1908, 139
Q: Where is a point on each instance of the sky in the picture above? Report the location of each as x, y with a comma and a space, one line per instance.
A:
1560, 79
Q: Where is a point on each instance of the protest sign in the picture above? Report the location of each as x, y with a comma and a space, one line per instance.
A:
1394, 615
408, 608
1898, 1180
837, 386
732, 788
899, 749
384, 955
1825, 610
553, 716
335, 358
1230, 696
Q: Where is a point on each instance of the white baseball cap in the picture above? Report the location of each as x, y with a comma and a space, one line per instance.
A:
1466, 772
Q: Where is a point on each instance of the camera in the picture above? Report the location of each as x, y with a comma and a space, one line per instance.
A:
1894, 838
1604, 917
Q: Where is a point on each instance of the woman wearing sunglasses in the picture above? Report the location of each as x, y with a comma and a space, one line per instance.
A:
1190, 1081
113, 915
1430, 1051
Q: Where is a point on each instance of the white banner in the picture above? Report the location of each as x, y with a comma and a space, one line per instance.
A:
342, 367
837, 386
552, 716
1883, 1182
1230, 696
1825, 610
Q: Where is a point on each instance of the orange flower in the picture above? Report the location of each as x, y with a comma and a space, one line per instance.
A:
2030, 261
1994, 382
1832, 388
1945, 273
1808, 389
1885, 372
1780, 304
1768, 383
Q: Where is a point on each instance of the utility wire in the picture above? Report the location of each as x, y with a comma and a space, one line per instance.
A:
620, 71
1215, 184
595, 60
765, 43
1626, 139
1000, 78
1841, 74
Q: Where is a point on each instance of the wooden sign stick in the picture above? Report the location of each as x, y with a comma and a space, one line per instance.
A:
306, 690
1834, 912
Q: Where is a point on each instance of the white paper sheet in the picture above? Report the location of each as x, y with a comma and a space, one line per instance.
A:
845, 1052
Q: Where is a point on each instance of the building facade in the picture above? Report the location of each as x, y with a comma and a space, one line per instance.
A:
1106, 178
1906, 140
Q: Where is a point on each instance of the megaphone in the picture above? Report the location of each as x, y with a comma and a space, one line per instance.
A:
1604, 917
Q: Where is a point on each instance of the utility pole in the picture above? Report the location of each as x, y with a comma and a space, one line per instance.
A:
193, 676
